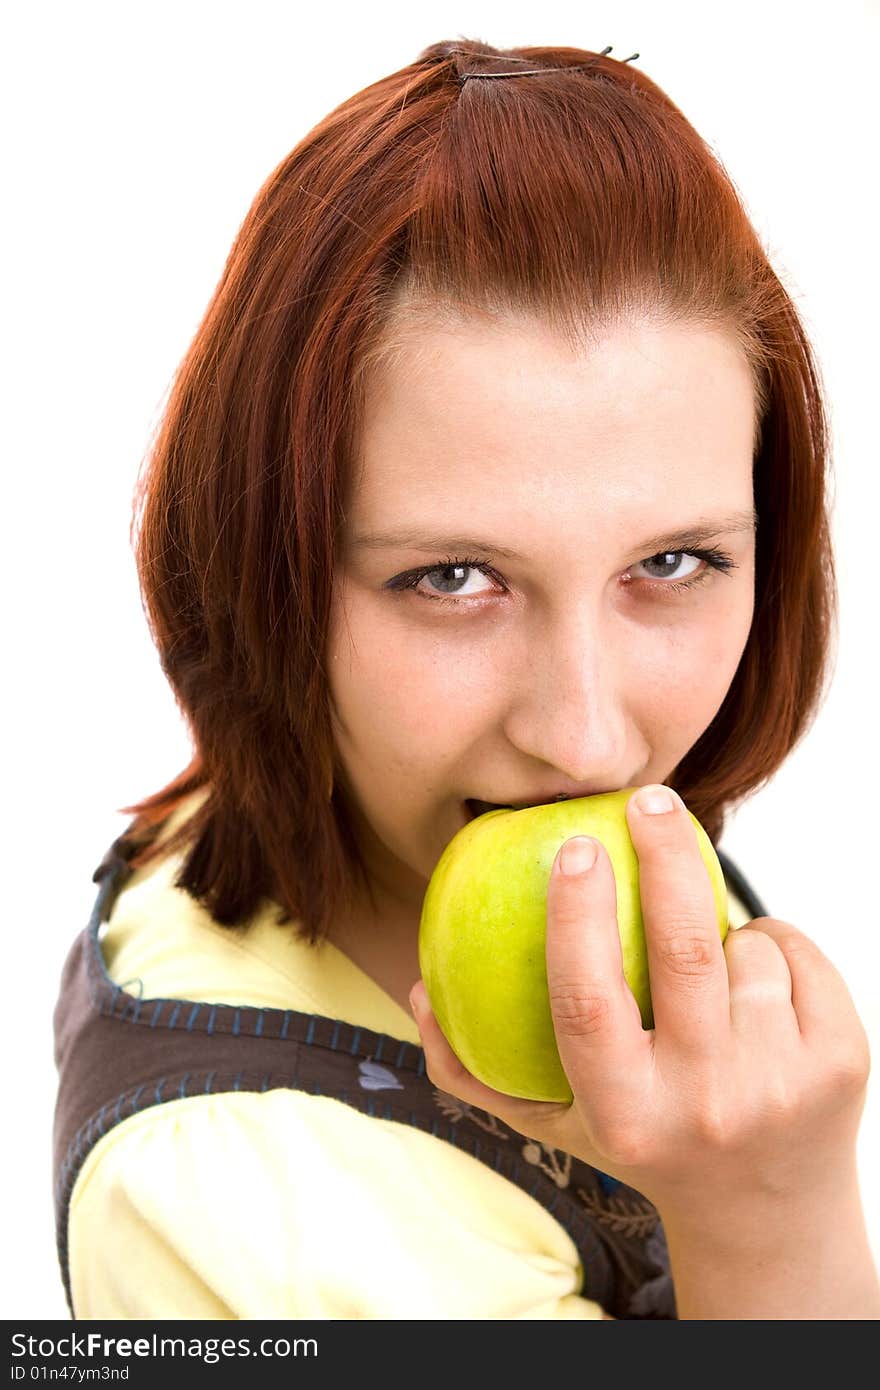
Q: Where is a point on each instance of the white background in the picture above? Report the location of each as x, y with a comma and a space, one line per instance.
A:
135, 139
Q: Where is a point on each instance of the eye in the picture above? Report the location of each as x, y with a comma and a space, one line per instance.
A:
451, 584
451, 575
667, 565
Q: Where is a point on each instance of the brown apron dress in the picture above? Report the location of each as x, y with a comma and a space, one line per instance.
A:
117, 1055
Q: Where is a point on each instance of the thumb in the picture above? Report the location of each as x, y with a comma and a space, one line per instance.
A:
449, 1074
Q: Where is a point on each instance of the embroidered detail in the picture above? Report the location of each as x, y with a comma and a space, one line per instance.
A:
627, 1217
534, 1151
374, 1077
455, 1110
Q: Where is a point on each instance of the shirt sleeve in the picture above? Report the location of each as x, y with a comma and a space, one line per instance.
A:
283, 1204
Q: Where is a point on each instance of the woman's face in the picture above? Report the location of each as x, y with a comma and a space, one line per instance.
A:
567, 661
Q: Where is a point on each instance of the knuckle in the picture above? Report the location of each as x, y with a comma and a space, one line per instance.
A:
850, 1065
787, 938
578, 1013
687, 952
782, 1102
750, 938
624, 1147
711, 1124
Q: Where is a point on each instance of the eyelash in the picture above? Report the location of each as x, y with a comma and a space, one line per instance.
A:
717, 561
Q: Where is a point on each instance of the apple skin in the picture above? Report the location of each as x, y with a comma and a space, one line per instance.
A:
483, 926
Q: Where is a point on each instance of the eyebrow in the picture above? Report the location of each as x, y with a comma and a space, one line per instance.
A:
703, 529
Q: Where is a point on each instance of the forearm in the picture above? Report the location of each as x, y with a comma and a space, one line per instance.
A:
794, 1264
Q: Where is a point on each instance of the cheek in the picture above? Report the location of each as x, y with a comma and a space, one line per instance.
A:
402, 694
675, 677
700, 664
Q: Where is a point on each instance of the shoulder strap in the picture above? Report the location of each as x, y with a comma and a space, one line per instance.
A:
118, 1055
737, 880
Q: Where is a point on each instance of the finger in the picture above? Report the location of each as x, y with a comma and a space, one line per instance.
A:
759, 985
685, 955
452, 1076
823, 1006
602, 1046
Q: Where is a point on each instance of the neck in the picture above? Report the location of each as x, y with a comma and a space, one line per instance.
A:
385, 945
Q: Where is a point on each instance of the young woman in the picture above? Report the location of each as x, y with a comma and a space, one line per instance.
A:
496, 472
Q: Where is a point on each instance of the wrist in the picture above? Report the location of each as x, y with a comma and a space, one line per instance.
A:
795, 1258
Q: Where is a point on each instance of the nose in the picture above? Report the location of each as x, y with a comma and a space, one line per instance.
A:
569, 709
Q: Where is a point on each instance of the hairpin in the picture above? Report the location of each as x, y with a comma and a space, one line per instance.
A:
533, 72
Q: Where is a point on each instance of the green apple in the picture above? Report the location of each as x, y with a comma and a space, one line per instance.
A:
483, 930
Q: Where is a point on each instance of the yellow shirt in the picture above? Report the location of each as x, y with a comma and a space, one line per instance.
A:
211, 1206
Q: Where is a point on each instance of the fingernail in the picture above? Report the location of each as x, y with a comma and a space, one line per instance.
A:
413, 1005
577, 855
654, 801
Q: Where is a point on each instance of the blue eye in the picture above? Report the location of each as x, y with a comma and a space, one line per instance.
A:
669, 561
452, 572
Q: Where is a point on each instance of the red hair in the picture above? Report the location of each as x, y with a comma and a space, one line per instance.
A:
584, 198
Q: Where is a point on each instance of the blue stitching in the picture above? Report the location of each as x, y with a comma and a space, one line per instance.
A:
284, 1025
116, 1115
174, 1012
401, 1054
182, 1088
258, 1031
193, 1016
334, 1040
100, 1119
355, 1041
210, 1028
136, 1014
310, 1031
264, 1085
209, 1081
158, 1091
378, 1056
236, 1085
236, 1022
136, 1096
156, 1013
371, 1106
420, 1069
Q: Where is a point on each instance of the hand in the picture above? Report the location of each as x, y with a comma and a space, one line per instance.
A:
753, 1077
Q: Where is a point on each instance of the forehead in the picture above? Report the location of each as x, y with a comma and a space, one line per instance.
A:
478, 408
